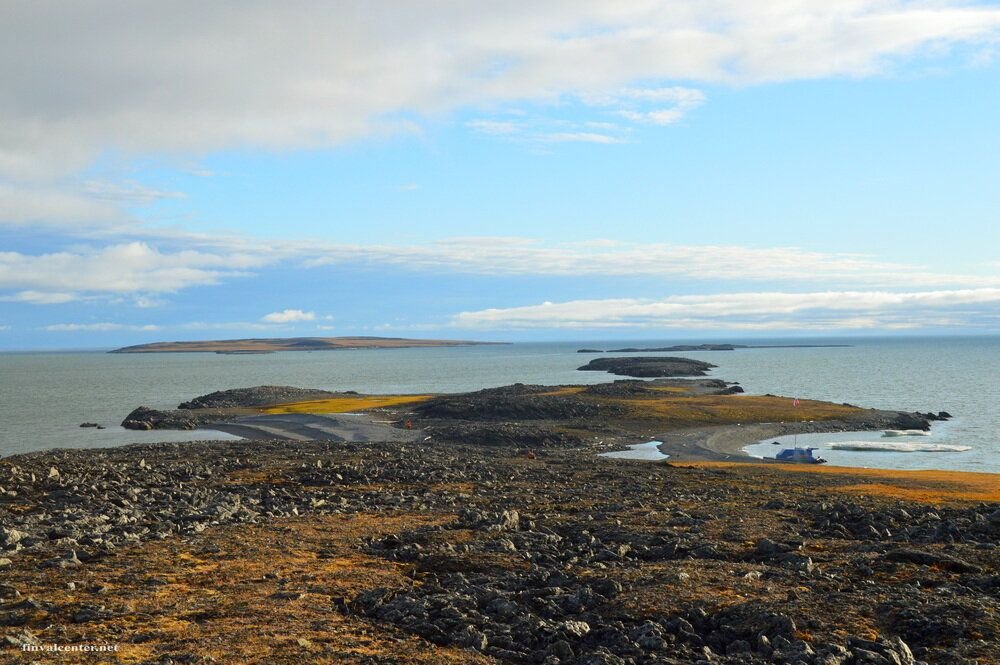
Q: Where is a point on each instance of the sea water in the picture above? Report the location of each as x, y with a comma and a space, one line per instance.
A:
45, 396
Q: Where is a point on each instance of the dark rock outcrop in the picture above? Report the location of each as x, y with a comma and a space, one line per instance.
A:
626, 388
943, 561
515, 402
145, 418
512, 435
254, 397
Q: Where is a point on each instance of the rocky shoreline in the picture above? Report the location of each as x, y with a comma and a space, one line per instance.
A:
560, 558
693, 418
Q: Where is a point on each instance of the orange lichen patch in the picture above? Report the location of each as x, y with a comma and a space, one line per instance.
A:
922, 486
728, 409
455, 488
656, 589
268, 476
939, 494
346, 404
247, 594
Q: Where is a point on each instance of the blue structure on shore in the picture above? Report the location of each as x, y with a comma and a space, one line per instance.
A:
800, 455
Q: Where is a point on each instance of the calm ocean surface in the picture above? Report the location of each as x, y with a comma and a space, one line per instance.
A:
45, 396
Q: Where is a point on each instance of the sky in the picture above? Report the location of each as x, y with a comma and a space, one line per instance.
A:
579, 169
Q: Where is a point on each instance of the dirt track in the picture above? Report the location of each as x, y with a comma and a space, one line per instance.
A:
308, 427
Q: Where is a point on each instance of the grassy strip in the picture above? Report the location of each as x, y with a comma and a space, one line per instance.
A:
346, 404
931, 486
732, 409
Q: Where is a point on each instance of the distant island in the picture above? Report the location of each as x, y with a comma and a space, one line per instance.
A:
714, 347
270, 345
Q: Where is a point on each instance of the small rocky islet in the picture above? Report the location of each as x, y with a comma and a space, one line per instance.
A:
648, 366
495, 535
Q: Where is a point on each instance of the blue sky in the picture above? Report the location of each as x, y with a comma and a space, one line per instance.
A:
586, 169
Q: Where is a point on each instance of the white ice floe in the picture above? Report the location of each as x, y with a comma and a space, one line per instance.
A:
905, 432
645, 451
876, 446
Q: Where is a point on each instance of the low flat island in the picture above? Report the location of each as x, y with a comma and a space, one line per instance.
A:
271, 345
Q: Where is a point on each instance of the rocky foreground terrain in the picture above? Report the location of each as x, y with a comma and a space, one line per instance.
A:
334, 552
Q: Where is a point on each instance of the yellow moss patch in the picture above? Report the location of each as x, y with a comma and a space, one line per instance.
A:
727, 409
346, 404
566, 390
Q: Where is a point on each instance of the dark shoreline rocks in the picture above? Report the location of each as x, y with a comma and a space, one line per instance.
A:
649, 367
145, 418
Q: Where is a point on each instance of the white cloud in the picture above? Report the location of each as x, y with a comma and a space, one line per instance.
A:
112, 76
753, 311
127, 191
657, 106
289, 316
493, 126
41, 297
55, 205
138, 272
112, 82
223, 325
579, 137
597, 257
134, 267
97, 327
145, 302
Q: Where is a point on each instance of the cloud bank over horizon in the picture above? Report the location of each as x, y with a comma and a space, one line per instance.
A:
830, 311
156, 158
